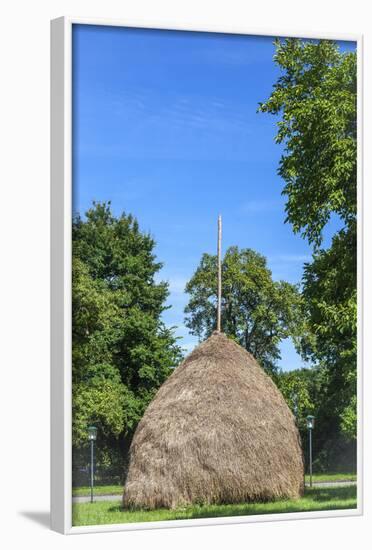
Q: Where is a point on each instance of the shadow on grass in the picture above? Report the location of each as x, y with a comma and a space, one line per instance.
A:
319, 494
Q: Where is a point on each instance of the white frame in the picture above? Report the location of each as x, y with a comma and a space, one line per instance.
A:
61, 218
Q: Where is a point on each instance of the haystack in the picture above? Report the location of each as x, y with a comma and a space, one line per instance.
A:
217, 431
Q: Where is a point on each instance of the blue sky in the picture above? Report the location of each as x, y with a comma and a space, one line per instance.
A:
165, 126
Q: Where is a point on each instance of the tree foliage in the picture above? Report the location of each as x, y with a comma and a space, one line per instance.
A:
306, 391
315, 99
297, 390
330, 295
256, 311
121, 349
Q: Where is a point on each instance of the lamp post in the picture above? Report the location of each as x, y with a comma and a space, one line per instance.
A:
92, 436
310, 420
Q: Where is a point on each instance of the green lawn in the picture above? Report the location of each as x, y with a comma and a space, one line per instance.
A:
332, 477
98, 490
332, 498
118, 489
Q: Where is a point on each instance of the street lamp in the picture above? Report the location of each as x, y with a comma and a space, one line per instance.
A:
92, 436
310, 421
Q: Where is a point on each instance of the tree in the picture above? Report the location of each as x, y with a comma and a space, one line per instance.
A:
296, 390
121, 350
330, 298
305, 391
315, 98
98, 391
256, 311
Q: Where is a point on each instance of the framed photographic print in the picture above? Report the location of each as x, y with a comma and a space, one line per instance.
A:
206, 276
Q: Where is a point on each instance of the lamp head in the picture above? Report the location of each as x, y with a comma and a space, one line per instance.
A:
310, 421
92, 433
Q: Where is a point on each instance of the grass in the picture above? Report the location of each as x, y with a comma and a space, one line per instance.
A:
118, 489
98, 490
330, 498
332, 477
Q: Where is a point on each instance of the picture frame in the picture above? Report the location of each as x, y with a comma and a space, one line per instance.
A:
61, 286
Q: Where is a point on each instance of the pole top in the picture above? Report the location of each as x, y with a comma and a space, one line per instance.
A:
219, 273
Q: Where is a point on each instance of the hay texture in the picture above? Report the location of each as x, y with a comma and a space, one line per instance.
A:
217, 431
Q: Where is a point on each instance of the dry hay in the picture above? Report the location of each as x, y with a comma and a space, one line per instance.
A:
217, 431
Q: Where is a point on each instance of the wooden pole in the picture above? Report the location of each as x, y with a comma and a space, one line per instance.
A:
219, 280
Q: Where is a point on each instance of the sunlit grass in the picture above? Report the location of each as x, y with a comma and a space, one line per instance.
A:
330, 498
98, 490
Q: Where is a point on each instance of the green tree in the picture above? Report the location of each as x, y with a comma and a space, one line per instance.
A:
256, 311
98, 391
306, 391
296, 390
315, 99
121, 350
330, 298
